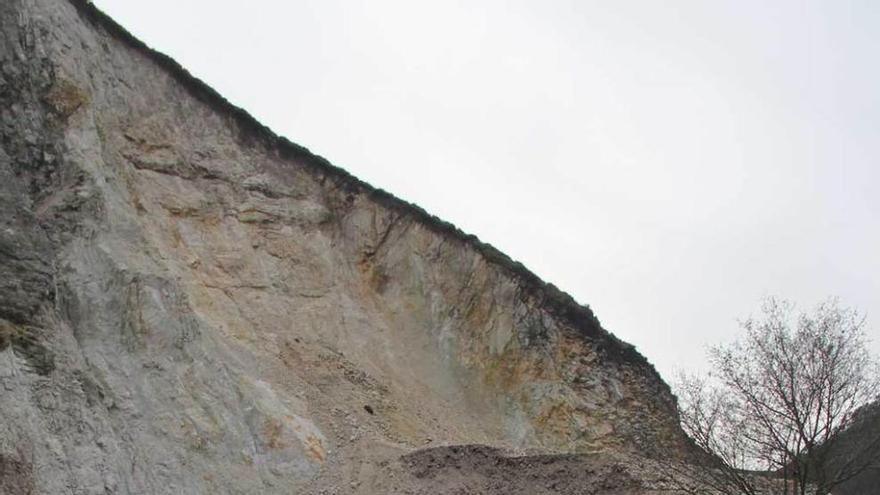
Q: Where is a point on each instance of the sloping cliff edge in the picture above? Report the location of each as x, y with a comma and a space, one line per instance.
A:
555, 301
190, 303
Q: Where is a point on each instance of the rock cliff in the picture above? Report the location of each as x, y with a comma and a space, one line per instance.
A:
192, 304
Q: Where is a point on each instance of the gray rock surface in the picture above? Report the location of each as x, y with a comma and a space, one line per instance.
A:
191, 304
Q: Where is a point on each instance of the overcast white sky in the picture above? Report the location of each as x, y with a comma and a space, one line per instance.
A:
667, 163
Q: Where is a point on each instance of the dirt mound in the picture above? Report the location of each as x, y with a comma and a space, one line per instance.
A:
477, 469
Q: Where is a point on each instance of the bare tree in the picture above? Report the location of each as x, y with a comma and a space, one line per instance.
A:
778, 400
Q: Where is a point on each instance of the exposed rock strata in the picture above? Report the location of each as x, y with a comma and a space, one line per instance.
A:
191, 304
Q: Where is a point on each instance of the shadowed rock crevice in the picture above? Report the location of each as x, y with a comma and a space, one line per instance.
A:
16, 475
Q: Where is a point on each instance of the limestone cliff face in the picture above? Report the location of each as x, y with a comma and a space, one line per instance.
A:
191, 304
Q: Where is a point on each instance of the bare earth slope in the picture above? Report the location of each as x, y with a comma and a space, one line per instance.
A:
191, 304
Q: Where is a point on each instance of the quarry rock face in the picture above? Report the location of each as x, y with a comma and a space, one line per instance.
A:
190, 304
